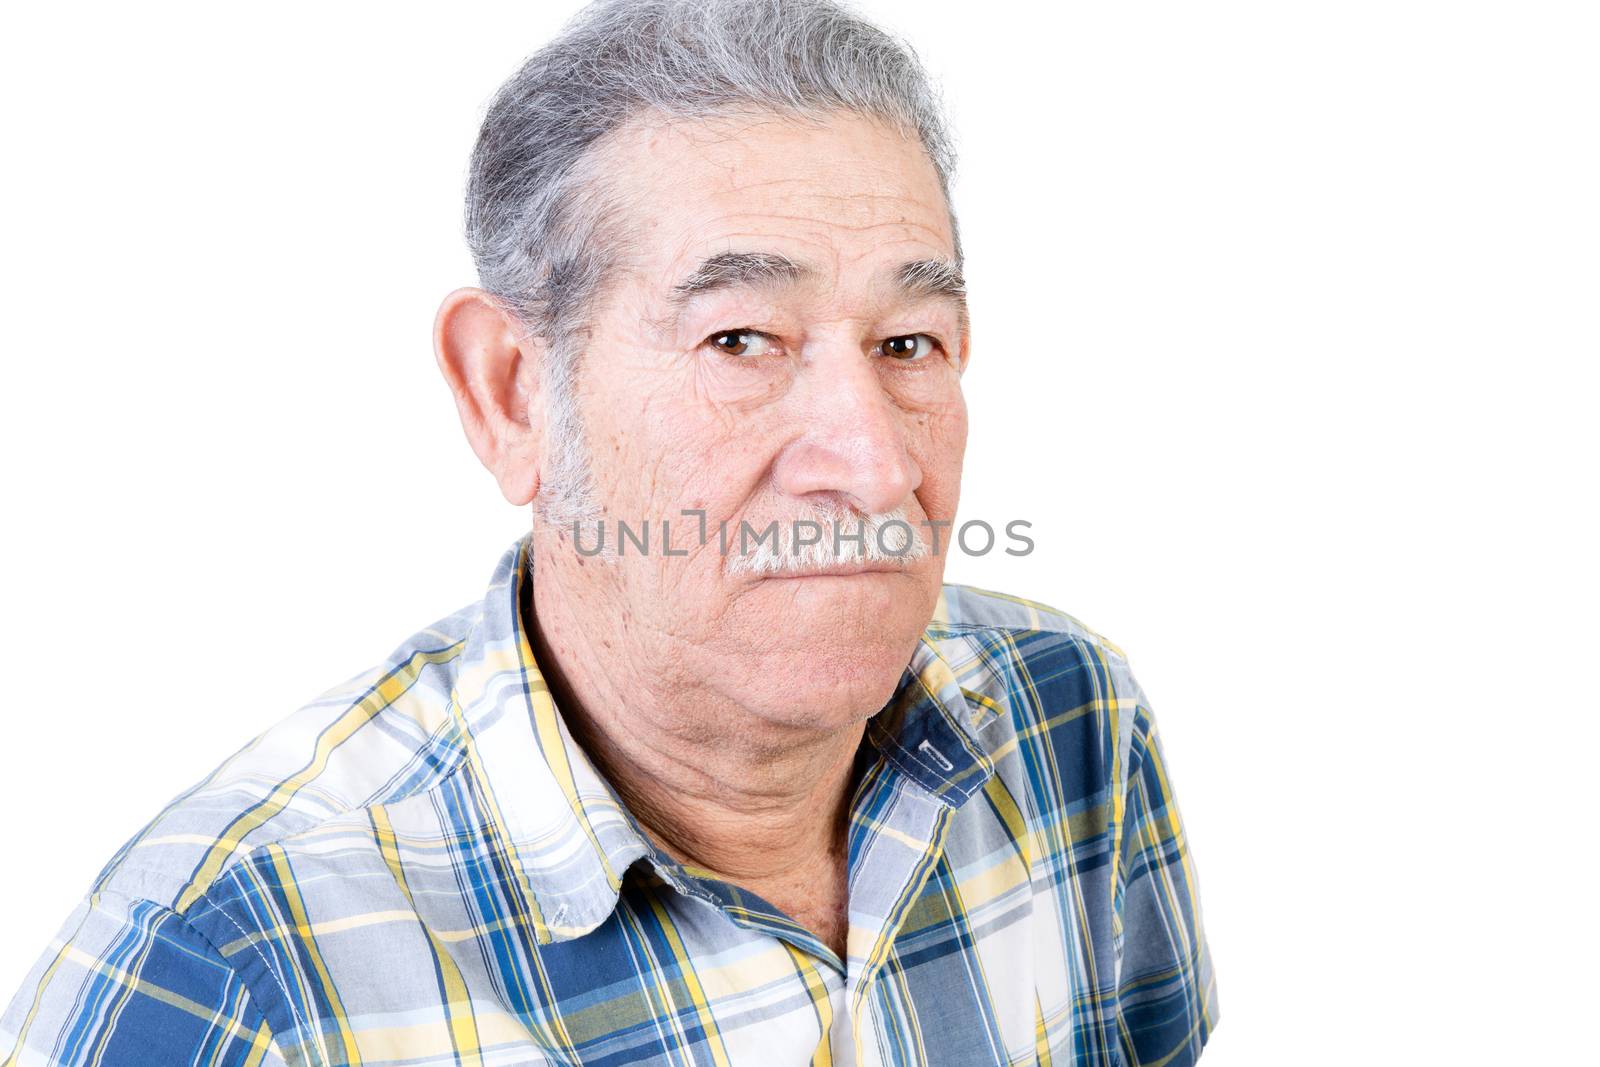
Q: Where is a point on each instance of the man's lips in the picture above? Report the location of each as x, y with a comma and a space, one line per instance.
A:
841, 570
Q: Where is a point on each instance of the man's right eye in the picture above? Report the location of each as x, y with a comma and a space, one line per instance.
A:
739, 342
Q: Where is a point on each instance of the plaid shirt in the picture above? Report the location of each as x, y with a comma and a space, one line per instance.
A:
422, 868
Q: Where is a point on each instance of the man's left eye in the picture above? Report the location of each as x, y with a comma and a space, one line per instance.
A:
909, 346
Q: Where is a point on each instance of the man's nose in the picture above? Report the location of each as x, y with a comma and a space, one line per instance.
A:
854, 442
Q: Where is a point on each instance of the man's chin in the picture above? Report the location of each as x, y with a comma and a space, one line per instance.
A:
840, 646
833, 695
844, 609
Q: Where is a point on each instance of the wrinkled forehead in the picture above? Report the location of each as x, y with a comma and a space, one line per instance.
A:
851, 197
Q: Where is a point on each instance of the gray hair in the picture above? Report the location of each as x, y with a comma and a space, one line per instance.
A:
535, 206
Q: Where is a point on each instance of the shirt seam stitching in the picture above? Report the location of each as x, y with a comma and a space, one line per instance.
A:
183, 918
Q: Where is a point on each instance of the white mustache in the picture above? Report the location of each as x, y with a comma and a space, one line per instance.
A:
834, 536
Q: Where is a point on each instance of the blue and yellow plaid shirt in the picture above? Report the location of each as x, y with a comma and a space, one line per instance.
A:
422, 868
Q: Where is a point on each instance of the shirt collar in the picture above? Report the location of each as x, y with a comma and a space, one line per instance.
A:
561, 831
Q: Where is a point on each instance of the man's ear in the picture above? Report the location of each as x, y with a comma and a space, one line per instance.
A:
493, 372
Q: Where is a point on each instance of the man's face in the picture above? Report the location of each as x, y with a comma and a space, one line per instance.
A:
770, 347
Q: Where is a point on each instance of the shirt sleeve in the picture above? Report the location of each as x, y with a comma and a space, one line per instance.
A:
1166, 991
129, 983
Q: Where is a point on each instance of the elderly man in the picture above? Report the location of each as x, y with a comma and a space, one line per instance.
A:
690, 800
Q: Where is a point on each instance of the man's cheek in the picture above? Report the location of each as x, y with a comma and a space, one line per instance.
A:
736, 390
948, 444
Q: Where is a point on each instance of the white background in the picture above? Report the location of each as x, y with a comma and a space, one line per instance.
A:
1286, 322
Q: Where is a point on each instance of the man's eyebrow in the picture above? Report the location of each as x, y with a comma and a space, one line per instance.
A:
931, 277
727, 270
918, 279
934, 278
